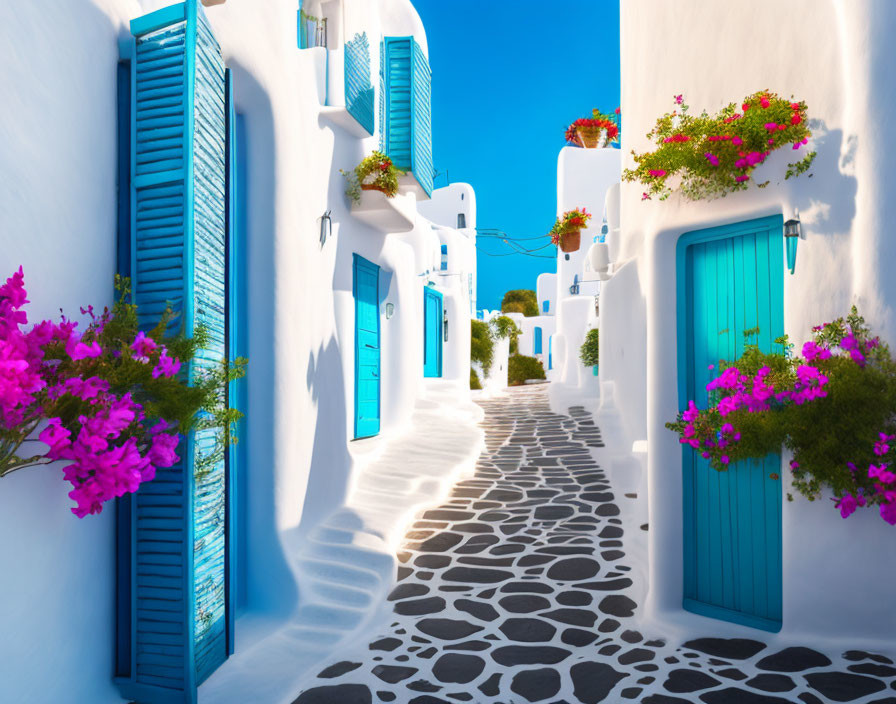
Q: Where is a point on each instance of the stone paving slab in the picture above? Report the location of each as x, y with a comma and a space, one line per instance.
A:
517, 590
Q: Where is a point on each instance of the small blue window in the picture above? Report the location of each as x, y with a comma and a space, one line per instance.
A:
444, 265
536, 345
545, 306
461, 221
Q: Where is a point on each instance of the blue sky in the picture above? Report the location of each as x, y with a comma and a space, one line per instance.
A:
508, 77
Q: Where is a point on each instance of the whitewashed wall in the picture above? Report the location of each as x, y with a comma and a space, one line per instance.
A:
546, 291
837, 57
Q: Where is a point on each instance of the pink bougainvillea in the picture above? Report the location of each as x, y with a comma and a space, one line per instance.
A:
841, 389
96, 398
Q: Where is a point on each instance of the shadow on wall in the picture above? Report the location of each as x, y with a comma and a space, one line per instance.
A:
331, 463
271, 587
827, 200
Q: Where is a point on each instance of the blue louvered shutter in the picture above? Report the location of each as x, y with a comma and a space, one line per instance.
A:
358, 87
421, 128
172, 540
406, 113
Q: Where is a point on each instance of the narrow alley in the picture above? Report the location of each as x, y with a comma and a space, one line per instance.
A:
519, 588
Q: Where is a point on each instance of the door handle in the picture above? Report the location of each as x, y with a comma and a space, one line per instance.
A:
370, 346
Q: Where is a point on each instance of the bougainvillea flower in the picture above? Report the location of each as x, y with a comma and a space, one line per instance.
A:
764, 102
167, 366
78, 350
847, 505
712, 158
143, 346
656, 173
811, 352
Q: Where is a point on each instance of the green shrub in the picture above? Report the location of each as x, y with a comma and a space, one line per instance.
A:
503, 327
589, 352
482, 345
520, 368
474, 379
520, 300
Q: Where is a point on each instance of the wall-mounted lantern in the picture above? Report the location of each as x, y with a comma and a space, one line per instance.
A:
390, 310
791, 238
326, 227
445, 324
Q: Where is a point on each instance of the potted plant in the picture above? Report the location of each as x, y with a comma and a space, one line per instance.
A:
594, 132
567, 230
375, 173
589, 352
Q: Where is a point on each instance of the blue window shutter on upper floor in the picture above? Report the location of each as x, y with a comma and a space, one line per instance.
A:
406, 108
172, 542
358, 87
546, 306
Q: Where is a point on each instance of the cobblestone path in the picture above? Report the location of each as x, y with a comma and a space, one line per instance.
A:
517, 590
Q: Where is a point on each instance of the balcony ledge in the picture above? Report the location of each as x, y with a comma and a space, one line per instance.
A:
340, 117
388, 215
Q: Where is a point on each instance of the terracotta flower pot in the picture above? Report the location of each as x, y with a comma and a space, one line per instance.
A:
373, 187
592, 137
571, 241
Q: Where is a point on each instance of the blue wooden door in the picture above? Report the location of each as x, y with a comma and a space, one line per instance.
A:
536, 343
432, 332
367, 348
730, 280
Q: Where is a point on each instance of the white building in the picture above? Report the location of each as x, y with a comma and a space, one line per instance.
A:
809, 563
345, 313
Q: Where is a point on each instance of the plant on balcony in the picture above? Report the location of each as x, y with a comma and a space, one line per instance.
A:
593, 132
589, 352
708, 156
567, 230
375, 173
110, 401
833, 406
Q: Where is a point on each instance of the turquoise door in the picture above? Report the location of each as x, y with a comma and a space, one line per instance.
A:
551, 352
367, 348
730, 279
536, 343
432, 332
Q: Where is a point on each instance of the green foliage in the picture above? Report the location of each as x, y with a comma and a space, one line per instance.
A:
520, 301
827, 434
713, 155
589, 352
520, 368
375, 172
482, 345
474, 380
